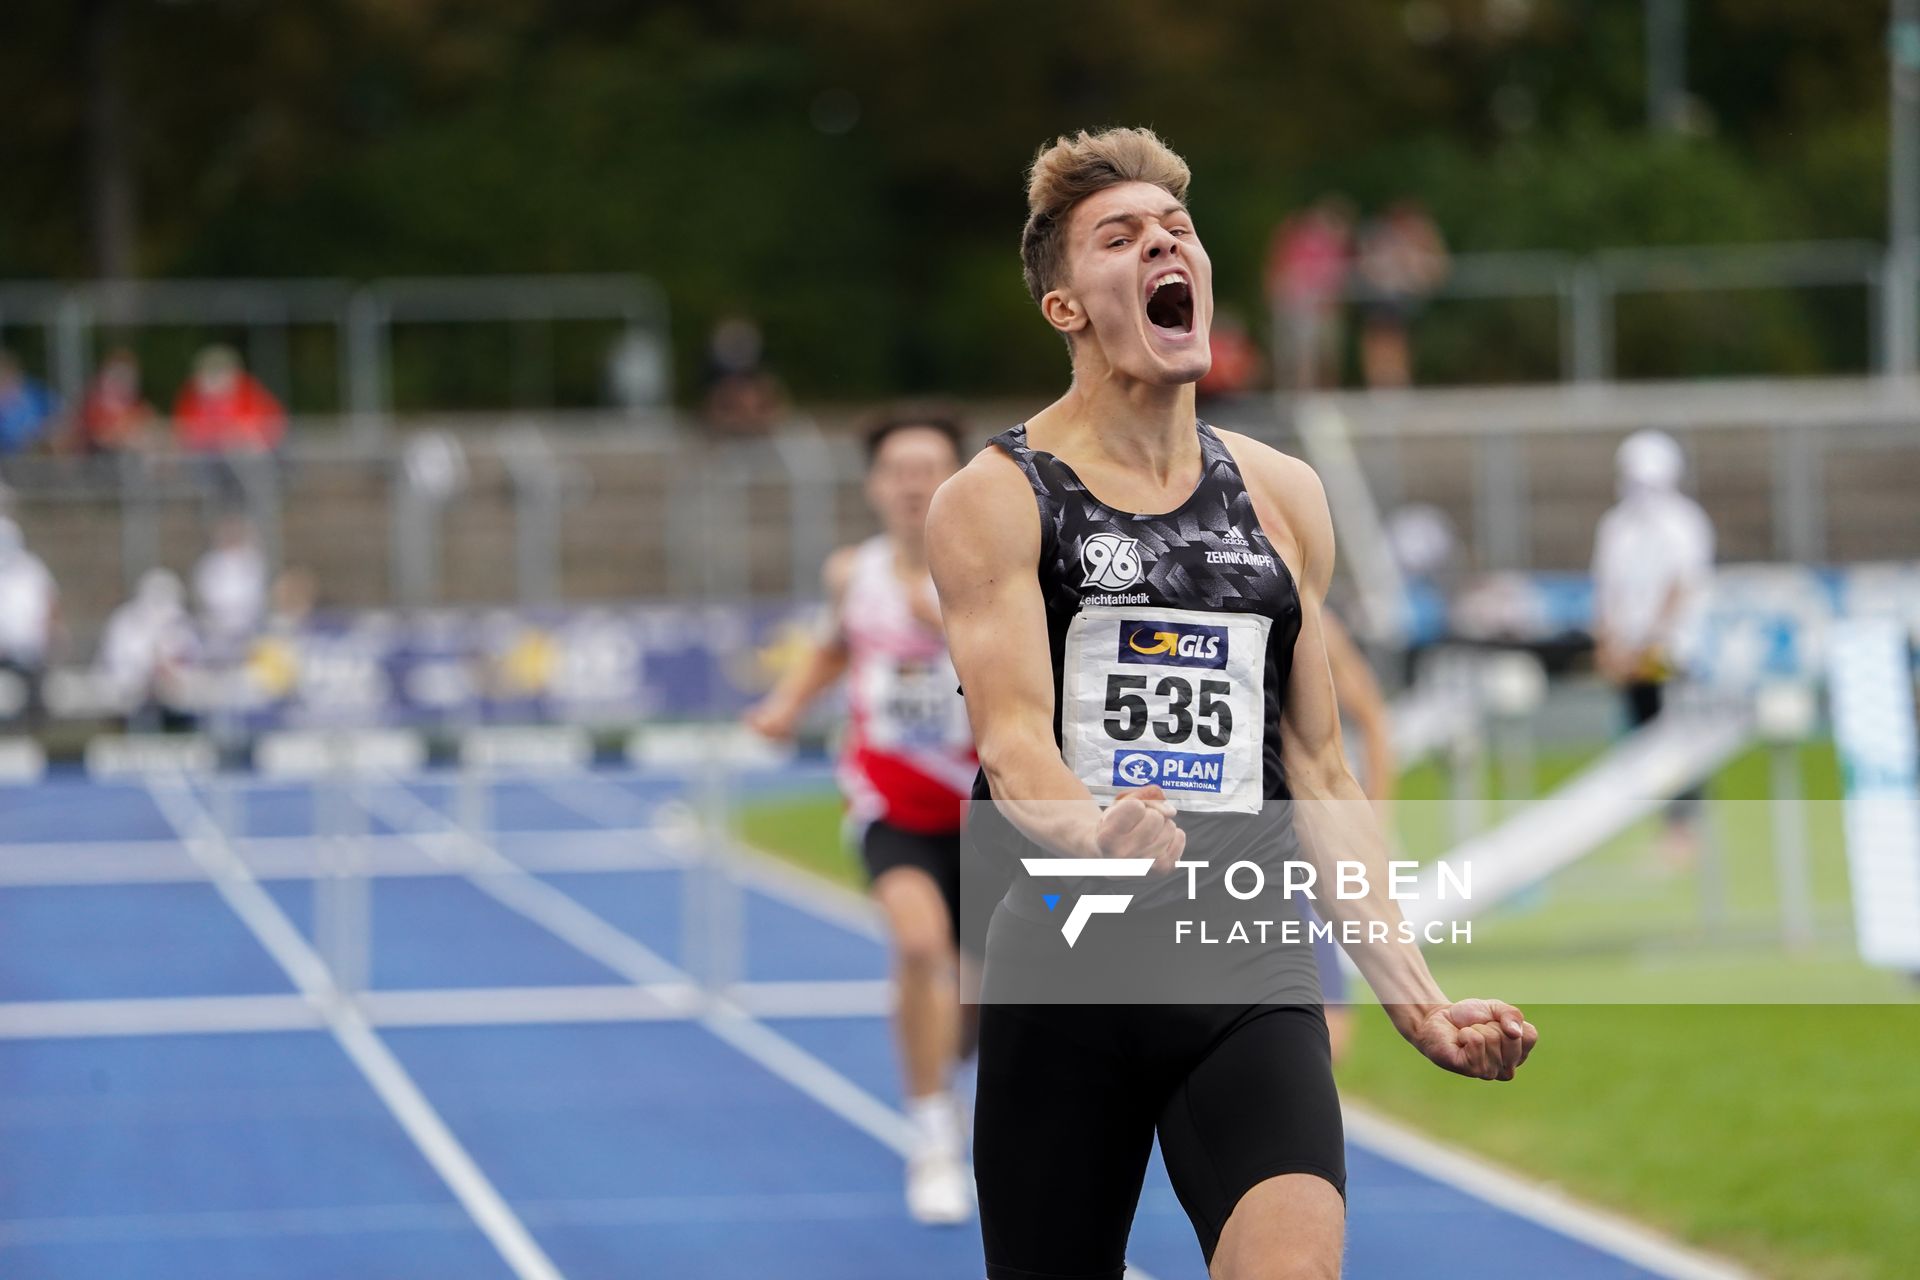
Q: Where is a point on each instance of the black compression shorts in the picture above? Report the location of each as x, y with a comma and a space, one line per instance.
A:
884, 847
1071, 1096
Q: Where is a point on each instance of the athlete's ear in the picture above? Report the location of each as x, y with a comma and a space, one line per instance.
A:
1063, 312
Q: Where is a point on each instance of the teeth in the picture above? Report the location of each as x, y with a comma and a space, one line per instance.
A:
1172, 277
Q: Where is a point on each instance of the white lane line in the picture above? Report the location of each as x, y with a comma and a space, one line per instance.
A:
738, 1028
163, 1015
508, 883
295, 858
772, 1206
608, 806
819, 897
1607, 1232
376, 1062
435, 1007
580, 928
1610, 1233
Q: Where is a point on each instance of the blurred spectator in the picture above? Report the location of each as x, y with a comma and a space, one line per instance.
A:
1307, 262
225, 409
1402, 261
273, 661
639, 370
1236, 367
144, 654
295, 592
230, 585
115, 416
1652, 564
28, 603
1422, 540
742, 396
27, 407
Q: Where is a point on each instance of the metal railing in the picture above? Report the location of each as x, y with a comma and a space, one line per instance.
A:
1805, 470
361, 320
1585, 290
530, 511
534, 510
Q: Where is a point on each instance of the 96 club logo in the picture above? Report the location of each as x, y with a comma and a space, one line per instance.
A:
1111, 562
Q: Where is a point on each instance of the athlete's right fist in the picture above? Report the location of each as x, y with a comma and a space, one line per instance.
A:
1139, 824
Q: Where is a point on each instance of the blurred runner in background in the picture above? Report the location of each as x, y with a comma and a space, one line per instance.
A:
905, 767
28, 603
1652, 562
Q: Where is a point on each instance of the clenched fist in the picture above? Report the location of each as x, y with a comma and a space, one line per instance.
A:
1139, 824
1486, 1039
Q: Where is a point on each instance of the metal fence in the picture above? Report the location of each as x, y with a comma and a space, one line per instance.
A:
1572, 303
367, 351
525, 510
1804, 470
557, 507
340, 339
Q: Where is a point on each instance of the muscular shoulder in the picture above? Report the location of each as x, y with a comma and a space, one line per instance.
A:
1281, 476
1290, 500
984, 514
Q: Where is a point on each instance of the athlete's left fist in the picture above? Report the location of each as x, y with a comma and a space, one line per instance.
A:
1485, 1039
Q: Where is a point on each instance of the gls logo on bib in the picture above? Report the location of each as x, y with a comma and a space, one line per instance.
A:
1111, 562
1172, 644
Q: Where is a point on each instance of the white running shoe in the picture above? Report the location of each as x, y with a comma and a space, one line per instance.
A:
939, 1190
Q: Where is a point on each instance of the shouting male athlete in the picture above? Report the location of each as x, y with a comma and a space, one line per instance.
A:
905, 766
1114, 566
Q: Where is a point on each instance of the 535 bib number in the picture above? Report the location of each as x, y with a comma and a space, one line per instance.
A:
1166, 697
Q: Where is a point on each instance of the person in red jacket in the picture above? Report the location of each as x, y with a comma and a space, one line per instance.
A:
225, 409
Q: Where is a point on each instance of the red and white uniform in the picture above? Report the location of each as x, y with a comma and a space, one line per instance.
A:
908, 757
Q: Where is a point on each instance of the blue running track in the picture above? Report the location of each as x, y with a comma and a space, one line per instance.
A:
626, 1140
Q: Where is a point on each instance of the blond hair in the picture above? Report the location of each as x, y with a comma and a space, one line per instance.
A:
1067, 171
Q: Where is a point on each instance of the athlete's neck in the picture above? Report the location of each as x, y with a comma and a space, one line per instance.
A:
1122, 423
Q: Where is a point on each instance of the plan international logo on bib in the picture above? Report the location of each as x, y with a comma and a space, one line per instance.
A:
1168, 770
1173, 644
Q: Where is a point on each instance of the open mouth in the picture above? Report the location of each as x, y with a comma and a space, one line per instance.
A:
1170, 305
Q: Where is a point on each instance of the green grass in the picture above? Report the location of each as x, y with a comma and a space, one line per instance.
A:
805, 830
1775, 1119
1785, 1135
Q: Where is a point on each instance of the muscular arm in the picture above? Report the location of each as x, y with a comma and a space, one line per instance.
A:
983, 545
1331, 814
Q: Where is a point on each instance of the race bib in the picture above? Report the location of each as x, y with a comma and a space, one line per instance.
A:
1167, 697
915, 704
